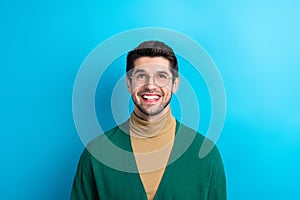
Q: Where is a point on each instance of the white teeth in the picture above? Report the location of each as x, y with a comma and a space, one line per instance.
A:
150, 97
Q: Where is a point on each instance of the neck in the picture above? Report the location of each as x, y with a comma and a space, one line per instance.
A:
148, 129
151, 118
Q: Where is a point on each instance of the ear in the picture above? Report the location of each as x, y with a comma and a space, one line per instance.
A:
176, 84
128, 84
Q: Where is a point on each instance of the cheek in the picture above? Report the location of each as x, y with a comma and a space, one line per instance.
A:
167, 94
168, 88
134, 95
134, 91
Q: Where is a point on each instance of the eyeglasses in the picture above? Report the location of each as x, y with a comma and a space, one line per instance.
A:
159, 79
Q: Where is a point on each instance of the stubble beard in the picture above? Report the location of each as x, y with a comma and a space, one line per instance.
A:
158, 110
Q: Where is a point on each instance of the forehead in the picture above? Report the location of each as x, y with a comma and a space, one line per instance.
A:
152, 64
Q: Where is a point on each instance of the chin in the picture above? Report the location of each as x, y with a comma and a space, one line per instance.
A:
151, 112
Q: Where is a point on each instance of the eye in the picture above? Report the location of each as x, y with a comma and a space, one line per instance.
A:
162, 76
140, 76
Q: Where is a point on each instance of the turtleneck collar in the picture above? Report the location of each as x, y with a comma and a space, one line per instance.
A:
148, 129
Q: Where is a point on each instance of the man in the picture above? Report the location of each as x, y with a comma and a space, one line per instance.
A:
163, 161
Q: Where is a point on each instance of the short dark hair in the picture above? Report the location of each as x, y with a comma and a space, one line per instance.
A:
152, 48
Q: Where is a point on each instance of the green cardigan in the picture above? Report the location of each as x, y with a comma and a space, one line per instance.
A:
107, 169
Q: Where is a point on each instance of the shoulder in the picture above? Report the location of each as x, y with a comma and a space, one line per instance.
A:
98, 141
107, 143
200, 144
116, 136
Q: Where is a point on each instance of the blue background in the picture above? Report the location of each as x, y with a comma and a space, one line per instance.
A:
255, 46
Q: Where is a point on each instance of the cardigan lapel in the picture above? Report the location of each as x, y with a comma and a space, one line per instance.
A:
181, 143
133, 177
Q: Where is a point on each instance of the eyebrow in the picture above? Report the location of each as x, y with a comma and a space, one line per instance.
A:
138, 71
159, 72
163, 72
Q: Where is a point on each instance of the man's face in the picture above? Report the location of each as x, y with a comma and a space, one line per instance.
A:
151, 87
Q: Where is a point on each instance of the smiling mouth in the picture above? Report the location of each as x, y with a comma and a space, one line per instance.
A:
150, 97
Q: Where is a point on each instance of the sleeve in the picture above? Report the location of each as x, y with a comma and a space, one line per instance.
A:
217, 189
84, 186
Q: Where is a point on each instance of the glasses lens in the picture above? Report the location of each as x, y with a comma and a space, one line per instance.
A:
140, 79
143, 79
161, 79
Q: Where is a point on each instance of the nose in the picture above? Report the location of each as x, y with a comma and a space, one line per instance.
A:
150, 83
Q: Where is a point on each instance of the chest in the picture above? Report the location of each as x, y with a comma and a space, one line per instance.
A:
179, 181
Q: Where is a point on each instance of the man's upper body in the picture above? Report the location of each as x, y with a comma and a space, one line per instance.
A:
162, 155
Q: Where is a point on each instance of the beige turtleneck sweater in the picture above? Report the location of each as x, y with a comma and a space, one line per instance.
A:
152, 144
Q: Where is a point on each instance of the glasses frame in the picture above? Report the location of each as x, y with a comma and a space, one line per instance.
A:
140, 85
